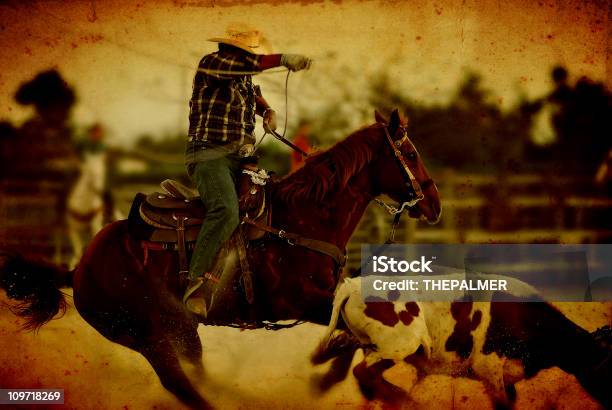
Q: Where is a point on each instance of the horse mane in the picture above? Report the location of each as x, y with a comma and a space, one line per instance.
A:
327, 173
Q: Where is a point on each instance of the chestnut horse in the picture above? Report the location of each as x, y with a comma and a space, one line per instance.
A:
139, 306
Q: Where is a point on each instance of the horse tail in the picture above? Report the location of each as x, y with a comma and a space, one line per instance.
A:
36, 285
323, 351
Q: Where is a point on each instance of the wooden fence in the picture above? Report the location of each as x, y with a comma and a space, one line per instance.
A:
488, 209
475, 209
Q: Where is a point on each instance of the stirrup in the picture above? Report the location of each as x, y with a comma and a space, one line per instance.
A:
196, 306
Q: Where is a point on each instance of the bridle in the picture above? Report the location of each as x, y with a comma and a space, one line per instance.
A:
415, 193
415, 188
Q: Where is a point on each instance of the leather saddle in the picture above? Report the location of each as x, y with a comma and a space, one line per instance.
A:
171, 220
179, 209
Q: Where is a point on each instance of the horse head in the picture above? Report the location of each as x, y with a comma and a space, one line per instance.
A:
401, 174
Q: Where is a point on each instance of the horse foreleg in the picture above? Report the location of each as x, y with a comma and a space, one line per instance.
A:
338, 371
165, 362
96, 223
372, 383
187, 343
75, 241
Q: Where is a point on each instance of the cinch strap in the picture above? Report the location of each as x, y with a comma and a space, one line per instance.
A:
323, 247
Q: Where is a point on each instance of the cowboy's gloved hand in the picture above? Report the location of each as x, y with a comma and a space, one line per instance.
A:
295, 62
269, 120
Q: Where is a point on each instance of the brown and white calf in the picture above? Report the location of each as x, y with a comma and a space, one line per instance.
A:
497, 342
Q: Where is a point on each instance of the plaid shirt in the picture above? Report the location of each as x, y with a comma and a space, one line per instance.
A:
222, 106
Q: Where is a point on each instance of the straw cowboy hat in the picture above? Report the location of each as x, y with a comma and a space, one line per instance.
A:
241, 36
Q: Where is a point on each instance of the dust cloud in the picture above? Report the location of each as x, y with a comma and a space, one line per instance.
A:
244, 369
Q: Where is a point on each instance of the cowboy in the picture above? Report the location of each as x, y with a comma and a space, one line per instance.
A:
221, 124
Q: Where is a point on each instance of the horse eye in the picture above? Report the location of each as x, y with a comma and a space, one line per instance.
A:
412, 156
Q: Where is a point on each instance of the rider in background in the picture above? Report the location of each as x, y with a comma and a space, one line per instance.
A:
44, 141
221, 125
85, 209
603, 177
302, 141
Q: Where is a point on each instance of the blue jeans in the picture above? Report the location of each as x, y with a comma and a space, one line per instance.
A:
215, 180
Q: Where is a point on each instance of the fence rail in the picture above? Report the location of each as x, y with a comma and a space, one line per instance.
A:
475, 209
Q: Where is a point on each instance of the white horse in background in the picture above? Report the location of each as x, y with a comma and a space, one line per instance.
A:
85, 206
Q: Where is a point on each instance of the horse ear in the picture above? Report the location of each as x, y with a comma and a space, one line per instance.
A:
379, 117
394, 122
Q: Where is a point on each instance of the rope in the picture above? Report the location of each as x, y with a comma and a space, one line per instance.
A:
260, 324
286, 114
392, 209
286, 102
224, 72
67, 26
397, 213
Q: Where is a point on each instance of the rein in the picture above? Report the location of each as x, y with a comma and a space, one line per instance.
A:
286, 142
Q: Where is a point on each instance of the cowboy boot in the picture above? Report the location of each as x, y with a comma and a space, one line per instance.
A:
194, 298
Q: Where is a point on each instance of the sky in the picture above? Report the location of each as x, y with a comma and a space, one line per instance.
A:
131, 63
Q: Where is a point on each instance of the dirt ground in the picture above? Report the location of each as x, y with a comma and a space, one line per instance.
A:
245, 369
